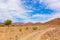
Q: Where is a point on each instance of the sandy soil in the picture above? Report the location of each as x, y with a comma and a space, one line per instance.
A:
14, 33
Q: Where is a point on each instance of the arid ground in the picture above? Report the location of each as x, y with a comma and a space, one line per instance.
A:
31, 32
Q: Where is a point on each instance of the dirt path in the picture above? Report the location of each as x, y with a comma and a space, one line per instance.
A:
36, 35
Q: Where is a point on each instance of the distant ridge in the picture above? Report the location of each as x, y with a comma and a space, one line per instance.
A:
38, 23
28, 23
18, 23
53, 22
1, 23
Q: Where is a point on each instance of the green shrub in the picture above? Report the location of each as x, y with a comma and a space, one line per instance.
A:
7, 22
20, 29
26, 28
34, 28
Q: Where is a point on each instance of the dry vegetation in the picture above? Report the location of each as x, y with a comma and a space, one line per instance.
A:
51, 35
30, 32
20, 32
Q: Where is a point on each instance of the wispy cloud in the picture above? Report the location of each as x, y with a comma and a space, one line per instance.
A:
50, 4
54, 5
10, 9
15, 9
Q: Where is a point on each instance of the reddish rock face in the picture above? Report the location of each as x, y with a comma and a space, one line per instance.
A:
53, 22
1, 24
38, 23
29, 23
17, 23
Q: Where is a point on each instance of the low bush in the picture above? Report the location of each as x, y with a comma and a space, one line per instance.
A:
26, 28
34, 28
20, 30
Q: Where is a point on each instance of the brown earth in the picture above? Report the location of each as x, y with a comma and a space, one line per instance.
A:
47, 31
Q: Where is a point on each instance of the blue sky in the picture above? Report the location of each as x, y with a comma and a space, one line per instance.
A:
29, 10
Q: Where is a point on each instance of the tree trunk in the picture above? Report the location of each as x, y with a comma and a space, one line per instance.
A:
8, 26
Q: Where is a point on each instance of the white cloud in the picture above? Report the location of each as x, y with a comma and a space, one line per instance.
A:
41, 15
12, 8
53, 4
50, 4
9, 9
45, 17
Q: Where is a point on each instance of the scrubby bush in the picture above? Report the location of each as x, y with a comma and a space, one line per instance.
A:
34, 28
20, 30
26, 28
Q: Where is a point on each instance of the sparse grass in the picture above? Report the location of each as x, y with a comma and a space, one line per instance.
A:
34, 28
1, 25
22, 31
